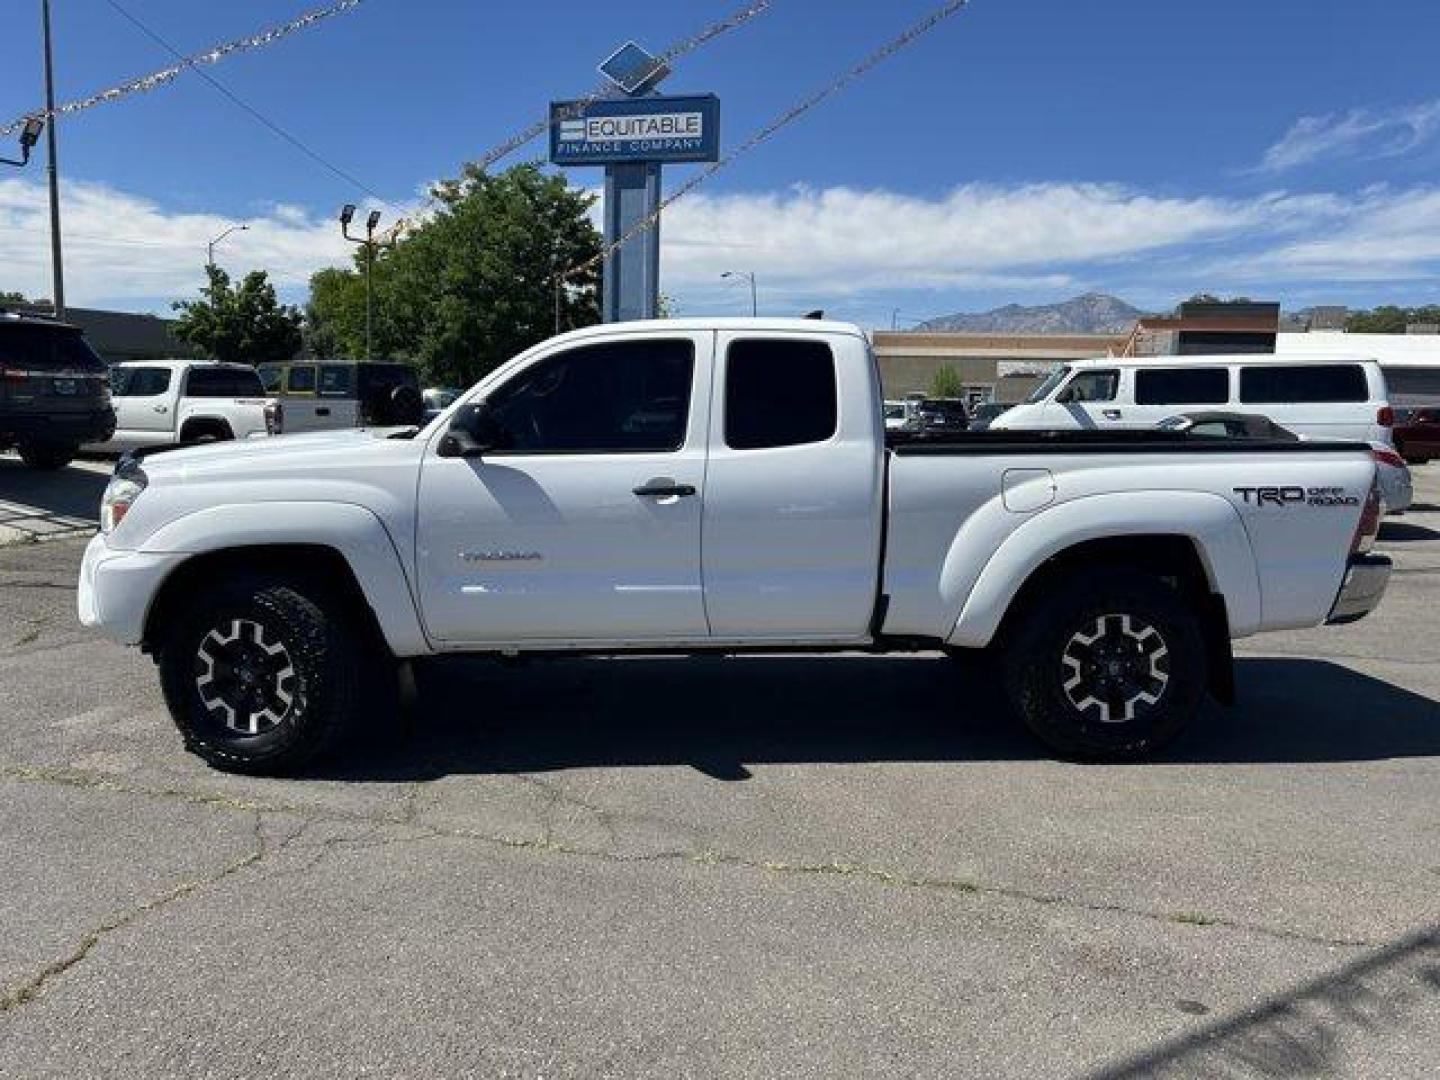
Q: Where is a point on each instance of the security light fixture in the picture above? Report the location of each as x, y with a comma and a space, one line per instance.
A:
372, 221
347, 213
29, 136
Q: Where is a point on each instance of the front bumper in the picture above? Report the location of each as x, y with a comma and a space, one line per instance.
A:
1365, 579
117, 587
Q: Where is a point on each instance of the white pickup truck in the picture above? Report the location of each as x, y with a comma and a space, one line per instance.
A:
724, 485
168, 402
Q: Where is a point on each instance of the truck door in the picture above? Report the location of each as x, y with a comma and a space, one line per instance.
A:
583, 524
793, 491
144, 399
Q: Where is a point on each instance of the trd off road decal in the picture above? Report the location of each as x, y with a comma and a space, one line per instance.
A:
1295, 495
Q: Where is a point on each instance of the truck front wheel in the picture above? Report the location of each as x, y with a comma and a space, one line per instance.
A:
259, 676
1108, 668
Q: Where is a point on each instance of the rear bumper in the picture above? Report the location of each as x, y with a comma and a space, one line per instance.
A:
1365, 579
68, 429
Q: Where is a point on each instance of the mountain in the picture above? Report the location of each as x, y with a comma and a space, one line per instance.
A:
1093, 313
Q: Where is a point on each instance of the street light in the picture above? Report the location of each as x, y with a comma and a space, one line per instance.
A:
29, 136
210, 247
754, 307
369, 243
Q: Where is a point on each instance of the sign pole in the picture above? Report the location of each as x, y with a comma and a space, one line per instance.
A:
630, 284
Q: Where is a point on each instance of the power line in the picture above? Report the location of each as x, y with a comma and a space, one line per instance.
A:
735, 19
166, 75
889, 49
255, 113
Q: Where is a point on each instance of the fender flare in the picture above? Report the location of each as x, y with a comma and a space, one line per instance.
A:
1207, 520
354, 531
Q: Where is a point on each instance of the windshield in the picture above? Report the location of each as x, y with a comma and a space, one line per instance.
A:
1046, 388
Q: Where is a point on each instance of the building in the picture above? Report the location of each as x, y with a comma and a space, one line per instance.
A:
992, 367
1205, 328
119, 336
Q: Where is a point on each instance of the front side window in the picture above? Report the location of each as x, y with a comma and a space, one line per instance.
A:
139, 381
622, 398
301, 379
1303, 384
270, 376
1090, 386
1182, 386
779, 393
224, 383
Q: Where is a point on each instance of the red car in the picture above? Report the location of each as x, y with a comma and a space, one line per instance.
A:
1417, 436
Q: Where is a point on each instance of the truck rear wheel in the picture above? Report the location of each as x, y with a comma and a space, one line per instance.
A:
1109, 668
47, 455
259, 676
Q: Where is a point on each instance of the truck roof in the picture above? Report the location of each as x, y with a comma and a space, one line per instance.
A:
763, 324
1290, 359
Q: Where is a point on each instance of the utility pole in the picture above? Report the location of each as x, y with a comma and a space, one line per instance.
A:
57, 257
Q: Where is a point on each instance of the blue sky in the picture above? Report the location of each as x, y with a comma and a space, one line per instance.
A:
1025, 150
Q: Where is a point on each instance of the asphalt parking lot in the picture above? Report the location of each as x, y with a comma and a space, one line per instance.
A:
780, 865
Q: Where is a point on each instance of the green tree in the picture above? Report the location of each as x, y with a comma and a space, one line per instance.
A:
242, 323
946, 383
472, 283
1389, 319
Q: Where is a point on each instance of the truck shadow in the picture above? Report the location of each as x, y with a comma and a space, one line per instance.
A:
1304, 1031
68, 493
1405, 532
717, 714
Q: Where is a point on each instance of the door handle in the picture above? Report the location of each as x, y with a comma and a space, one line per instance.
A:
322, 412
664, 489
160, 408
1112, 414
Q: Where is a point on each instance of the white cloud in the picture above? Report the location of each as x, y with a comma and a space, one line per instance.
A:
809, 246
120, 246
1382, 235
1372, 132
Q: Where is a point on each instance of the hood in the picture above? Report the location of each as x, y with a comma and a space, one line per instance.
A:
298, 451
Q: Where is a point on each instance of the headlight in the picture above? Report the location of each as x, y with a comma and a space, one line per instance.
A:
120, 494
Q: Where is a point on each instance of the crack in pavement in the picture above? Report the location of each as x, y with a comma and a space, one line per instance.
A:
545, 843
27, 990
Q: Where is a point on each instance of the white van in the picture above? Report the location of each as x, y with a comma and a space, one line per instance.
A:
1330, 398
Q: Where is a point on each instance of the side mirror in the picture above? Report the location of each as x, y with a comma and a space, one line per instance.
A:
473, 432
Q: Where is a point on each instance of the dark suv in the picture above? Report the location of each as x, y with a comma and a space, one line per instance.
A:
54, 391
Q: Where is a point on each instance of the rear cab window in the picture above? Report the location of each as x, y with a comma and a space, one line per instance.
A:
779, 392
1303, 384
223, 383
300, 379
337, 380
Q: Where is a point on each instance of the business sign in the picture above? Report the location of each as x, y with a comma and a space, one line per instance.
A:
649, 129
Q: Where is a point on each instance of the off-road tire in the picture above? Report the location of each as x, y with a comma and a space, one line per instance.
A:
48, 456
319, 688
1145, 643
